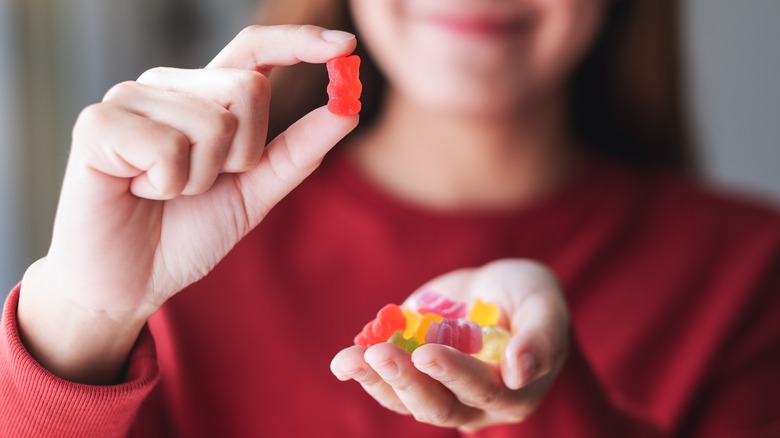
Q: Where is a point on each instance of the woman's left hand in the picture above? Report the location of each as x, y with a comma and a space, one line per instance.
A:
445, 387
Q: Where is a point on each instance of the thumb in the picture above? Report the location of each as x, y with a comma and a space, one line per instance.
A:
290, 158
539, 342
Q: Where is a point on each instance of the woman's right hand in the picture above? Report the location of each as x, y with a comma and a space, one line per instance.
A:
164, 177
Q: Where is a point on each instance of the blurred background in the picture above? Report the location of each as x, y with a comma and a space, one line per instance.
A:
57, 56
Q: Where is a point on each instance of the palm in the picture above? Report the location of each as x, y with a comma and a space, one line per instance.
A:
148, 248
511, 284
196, 232
443, 386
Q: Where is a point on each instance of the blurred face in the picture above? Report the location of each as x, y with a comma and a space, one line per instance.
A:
477, 56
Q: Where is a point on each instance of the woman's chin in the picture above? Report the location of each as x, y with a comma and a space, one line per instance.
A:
476, 105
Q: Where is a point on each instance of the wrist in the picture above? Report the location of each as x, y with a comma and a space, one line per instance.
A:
71, 341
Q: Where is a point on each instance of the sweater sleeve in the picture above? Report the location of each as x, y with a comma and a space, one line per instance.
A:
34, 402
577, 405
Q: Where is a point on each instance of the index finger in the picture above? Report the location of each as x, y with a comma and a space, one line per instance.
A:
424, 397
261, 48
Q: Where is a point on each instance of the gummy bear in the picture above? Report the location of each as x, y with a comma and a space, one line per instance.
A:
345, 87
388, 320
408, 344
429, 301
494, 341
484, 313
425, 323
412, 322
463, 335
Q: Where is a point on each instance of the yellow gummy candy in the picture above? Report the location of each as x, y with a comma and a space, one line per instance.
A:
425, 322
494, 340
412, 322
483, 313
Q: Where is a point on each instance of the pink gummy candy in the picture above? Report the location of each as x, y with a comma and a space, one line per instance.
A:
463, 335
430, 301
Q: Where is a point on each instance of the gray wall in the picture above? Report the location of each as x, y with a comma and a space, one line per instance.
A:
12, 228
734, 62
56, 56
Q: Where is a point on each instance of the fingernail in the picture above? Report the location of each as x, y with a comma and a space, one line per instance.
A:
431, 368
528, 367
387, 369
336, 36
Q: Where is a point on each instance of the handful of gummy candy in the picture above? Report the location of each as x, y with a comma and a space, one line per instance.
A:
434, 318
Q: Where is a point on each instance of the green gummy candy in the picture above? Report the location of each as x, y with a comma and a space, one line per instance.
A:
407, 344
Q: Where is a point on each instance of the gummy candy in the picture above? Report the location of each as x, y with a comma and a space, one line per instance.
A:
425, 323
434, 318
408, 344
494, 340
463, 335
412, 322
345, 87
484, 313
429, 301
388, 320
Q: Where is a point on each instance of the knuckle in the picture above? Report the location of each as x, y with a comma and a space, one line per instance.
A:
253, 85
169, 188
371, 381
96, 113
175, 146
224, 125
153, 75
300, 30
250, 31
198, 187
488, 398
287, 31
402, 386
307, 30
245, 160
174, 162
120, 90
91, 117
443, 416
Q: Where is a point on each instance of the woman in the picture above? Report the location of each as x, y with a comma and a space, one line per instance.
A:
492, 162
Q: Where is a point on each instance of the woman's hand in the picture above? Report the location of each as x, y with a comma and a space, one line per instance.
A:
445, 387
164, 177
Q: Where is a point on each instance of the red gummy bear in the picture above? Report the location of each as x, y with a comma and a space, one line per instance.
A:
345, 87
388, 320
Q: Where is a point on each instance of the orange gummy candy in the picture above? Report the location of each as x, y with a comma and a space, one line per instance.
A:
425, 323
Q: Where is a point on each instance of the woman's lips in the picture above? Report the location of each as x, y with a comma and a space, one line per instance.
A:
480, 26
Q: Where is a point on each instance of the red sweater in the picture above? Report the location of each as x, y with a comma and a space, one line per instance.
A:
674, 295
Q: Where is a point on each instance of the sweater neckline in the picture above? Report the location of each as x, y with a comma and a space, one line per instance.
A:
577, 194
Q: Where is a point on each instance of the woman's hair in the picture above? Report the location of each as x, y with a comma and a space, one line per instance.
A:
626, 100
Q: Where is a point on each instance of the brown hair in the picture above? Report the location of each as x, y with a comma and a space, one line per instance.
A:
625, 98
